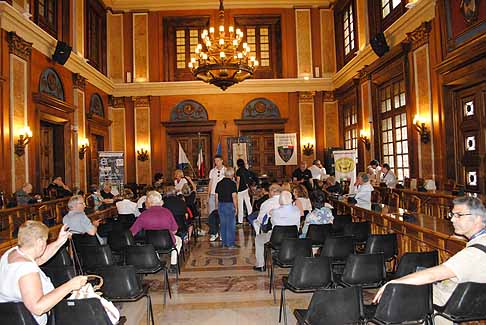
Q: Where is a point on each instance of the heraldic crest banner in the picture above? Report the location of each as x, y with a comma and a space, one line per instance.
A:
285, 149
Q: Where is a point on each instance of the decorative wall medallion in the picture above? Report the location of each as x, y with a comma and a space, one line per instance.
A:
470, 9
189, 110
261, 108
18, 46
51, 84
96, 106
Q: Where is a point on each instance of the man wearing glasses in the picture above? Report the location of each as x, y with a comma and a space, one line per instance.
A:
215, 175
468, 265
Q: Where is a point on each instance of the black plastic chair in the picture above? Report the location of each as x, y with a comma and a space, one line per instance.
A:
59, 274
94, 257
279, 233
85, 240
333, 307
79, 312
402, 303
163, 244
467, 303
338, 249
318, 234
145, 260
359, 231
409, 262
386, 244
307, 275
284, 258
15, 313
365, 270
61, 258
118, 241
339, 222
121, 284
126, 220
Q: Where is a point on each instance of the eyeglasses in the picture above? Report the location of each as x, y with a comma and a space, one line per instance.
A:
457, 215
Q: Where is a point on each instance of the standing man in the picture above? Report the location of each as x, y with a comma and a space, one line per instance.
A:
227, 200
215, 175
388, 176
318, 172
468, 265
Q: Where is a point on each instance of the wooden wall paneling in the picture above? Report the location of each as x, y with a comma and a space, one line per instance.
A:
319, 126
140, 47
130, 153
128, 45
158, 154
78, 27
156, 43
367, 119
5, 163
362, 15
115, 47
303, 33
332, 129
142, 139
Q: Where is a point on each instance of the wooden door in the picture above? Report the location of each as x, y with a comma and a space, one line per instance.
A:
46, 155
470, 120
97, 143
263, 160
190, 143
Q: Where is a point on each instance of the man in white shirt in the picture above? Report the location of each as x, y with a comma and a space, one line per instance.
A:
215, 175
286, 214
318, 172
388, 176
362, 195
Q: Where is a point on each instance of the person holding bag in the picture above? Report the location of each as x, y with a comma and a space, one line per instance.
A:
23, 280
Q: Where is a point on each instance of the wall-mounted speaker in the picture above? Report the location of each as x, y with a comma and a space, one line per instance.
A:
379, 45
62, 52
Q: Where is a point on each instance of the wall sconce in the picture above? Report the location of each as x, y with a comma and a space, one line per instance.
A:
142, 154
83, 147
308, 149
25, 134
364, 136
419, 124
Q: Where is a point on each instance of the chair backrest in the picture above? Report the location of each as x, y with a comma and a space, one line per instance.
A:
15, 313
160, 239
402, 303
59, 274
319, 233
339, 222
410, 261
467, 302
359, 230
335, 307
120, 282
310, 272
126, 220
61, 258
79, 312
279, 233
293, 247
367, 270
338, 247
85, 240
96, 256
413, 203
386, 244
120, 240
143, 258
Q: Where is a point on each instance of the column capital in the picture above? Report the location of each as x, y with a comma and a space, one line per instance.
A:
18, 46
79, 82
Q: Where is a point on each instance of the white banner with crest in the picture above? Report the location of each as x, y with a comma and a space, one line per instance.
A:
285, 149
345, 165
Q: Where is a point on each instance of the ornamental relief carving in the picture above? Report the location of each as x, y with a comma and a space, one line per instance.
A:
306, 96
79, 82
420, 36
116, 102
328, 96
141, 101
18, 46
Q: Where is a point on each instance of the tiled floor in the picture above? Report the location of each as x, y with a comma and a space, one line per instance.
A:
216, 286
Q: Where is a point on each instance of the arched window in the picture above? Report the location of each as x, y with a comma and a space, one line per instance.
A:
189, 110
51, 84
261, 108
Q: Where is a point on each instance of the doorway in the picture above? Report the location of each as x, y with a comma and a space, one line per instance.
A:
190, 143
52, 152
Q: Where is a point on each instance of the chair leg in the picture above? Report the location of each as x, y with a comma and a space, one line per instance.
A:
281, 302
150, 310
271, 279
167, 282
274, 294
284, 305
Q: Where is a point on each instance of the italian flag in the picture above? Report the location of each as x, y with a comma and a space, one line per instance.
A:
200, 162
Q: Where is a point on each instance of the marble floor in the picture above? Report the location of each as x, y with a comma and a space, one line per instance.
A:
216, 286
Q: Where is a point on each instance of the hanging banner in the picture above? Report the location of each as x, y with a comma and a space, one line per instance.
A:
112, 170
285, 149
345, 165
240, 152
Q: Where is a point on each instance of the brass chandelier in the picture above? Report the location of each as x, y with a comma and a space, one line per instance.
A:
222, 60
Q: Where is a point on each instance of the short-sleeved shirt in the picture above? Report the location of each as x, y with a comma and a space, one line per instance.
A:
468, 265
215, 175
155, 218
178, 184
302, 175
245, 177
107, 195
77, 222
286, 215
9, 282
225, 188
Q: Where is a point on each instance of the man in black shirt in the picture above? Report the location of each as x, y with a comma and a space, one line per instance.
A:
57, 189
226, 196
178, 207
302, 175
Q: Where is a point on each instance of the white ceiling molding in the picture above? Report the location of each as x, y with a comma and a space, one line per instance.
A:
155, 5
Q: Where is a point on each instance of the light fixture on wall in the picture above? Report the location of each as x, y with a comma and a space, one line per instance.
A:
222, 60
364, 136
83, 145
419, 123
308, 149
25, 134
142, 154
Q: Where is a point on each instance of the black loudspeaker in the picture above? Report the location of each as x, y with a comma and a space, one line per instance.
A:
379, 45
62, 52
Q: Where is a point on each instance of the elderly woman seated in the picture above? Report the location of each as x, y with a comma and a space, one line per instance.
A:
23, 280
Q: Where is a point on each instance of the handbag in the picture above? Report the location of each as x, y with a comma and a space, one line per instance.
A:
89, 291
266, 227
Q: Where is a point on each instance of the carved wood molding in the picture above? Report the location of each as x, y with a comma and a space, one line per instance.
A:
420, 36
18, 46
189, 126
52, 102
328, 96
116, 102
79, 82
98, 121
306, 96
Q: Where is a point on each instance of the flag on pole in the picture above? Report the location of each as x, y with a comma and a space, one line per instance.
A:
183, 161
200, 162
219, 149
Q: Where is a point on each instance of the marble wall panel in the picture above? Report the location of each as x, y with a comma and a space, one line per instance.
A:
115, 47
79, 26
363, 31
307, 127
304, 42
331, 122
80, 171
327, 41
140, 47
142, 139
367, 115
117, 130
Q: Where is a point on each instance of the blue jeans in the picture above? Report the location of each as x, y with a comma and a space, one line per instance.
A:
227, 220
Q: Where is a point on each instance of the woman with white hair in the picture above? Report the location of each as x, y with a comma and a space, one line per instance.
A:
23, 280
287, 214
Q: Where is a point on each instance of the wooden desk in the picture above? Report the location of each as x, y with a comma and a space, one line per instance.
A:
417, 232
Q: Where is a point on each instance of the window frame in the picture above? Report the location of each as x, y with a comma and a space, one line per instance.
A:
95, 12
350, 111
339, 12
378, 23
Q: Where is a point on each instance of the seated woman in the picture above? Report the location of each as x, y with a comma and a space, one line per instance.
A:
23, 280
126, 206
319, 216
180, 180
302, 199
